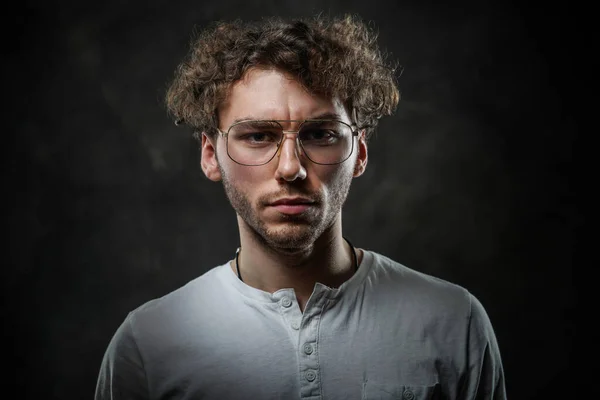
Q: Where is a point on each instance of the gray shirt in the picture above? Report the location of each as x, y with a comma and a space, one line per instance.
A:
389, 332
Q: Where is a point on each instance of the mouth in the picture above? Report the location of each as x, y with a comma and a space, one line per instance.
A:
292, 206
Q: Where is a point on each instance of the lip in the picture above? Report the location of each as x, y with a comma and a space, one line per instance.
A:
292, 206
292, 201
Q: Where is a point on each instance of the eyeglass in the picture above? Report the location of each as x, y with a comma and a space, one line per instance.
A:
323, 141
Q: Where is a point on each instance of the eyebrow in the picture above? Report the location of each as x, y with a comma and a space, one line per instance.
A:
325, 115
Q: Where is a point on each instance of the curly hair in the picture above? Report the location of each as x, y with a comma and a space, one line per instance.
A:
336, 57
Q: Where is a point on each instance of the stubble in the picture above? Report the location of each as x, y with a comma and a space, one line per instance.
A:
292, 233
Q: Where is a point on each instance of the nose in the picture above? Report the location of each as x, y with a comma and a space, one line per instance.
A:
289, 166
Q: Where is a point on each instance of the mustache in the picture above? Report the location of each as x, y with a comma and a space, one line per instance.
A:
272, 197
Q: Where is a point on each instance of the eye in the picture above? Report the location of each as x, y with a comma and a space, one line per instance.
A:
257, 137
319, 133
319, 136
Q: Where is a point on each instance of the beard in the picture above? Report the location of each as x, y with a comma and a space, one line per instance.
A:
292, 232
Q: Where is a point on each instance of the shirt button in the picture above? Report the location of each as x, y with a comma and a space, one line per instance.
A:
408, 395
295, 325
308, 349
310, 376
286, 302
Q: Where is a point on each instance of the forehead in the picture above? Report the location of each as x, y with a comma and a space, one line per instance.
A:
272, 94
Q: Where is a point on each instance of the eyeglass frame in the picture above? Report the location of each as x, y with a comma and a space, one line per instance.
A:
353, 127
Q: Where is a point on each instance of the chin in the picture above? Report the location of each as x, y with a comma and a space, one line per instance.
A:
291, 237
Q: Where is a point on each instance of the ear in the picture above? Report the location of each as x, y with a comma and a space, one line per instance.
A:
363, 156
209, 161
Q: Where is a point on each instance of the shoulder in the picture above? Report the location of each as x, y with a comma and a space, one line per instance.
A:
194, 297
404, 285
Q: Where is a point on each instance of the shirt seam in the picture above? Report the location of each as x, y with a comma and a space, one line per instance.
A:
137, 348
335, 295
465, 382
271, 302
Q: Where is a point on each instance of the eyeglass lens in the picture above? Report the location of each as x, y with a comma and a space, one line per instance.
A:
257, 142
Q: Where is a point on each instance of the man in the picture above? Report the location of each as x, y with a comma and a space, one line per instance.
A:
283, 110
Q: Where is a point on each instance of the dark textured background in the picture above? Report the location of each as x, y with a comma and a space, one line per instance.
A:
471, 180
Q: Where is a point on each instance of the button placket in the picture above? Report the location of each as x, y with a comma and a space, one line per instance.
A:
308, 343
290, 313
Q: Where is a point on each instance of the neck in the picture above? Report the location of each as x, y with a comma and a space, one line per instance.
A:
328, 260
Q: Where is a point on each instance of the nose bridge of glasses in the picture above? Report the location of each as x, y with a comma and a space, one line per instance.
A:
293, 135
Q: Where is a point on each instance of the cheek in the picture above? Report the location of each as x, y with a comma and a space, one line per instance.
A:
236, 174
245, 179
242, 174
332, 176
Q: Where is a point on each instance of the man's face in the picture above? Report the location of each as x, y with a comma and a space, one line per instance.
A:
266, 198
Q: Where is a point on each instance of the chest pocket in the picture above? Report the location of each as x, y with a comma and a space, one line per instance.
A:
373, 390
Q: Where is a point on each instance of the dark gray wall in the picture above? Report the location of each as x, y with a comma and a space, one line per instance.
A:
471, 180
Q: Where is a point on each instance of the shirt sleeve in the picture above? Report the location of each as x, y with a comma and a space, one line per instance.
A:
122, 375
484, 377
